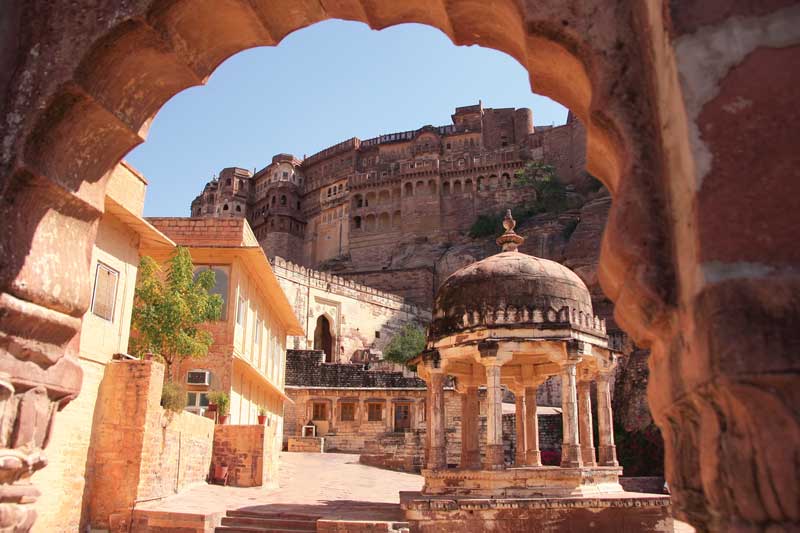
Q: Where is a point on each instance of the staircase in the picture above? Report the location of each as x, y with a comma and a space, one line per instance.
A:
266, 522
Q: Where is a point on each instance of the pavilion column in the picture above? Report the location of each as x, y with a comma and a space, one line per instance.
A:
332, 420
435, 418
521, 427
570, 448
470, 432
494, 459
533, 456
607, 451
585, 423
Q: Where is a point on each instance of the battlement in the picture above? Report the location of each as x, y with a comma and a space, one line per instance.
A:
338, 285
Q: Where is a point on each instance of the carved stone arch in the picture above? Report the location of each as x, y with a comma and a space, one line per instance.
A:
95, 90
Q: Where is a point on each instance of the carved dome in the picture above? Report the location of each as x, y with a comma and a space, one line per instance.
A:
508, 290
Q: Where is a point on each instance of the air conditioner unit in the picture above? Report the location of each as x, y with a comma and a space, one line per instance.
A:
198, 377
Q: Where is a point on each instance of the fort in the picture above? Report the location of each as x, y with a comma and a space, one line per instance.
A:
382, 210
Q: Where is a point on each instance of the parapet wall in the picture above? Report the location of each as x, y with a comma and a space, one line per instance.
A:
343, 287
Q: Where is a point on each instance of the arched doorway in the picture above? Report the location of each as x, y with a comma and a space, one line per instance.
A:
323, 340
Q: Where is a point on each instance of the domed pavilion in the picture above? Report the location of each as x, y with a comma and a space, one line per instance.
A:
515, 320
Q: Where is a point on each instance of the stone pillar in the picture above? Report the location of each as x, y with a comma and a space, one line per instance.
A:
494, 417
533, 456
570, 448
388, 421
332, 420
436, 446
607, 451
521, 427
470, 429
585, 423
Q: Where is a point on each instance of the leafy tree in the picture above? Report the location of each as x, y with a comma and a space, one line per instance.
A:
406, 345
169, 308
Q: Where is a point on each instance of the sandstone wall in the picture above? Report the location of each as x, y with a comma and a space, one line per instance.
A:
247, 452
360, 317
139, 451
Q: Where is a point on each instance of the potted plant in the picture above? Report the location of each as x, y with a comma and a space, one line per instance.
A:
262, 416
221, 401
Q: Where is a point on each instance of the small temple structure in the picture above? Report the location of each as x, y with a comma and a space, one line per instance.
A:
515, 320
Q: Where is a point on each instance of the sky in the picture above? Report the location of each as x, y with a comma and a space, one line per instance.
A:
321, 85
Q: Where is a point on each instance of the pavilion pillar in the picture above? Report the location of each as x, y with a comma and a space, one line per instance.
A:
570, 448
533, 456
435, 405
332, 419
607, 451
470, 432
494, 459
585, 423
521, 426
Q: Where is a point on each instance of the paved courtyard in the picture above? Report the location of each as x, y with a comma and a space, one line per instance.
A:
331, 485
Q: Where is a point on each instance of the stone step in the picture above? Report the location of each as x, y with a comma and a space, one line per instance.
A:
272, 514
280, 523
237, 529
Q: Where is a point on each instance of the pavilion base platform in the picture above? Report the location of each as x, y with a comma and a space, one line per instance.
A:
620, 512
532, 482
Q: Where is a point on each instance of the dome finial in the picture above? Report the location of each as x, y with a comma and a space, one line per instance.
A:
509, 241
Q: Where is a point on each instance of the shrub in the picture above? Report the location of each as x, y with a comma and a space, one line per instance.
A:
173, 397
221, 400
406, 345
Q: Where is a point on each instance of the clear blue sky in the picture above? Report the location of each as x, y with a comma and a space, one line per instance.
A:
320, 86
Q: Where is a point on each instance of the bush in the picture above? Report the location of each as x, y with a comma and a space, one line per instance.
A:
405, 345
221, 400
173, 397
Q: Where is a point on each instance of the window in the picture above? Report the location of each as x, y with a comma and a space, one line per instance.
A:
196, 402
105, 292
228, 181
377, 334
348, 412
285, 174
320, 411
220, 285
375, 412
240, 311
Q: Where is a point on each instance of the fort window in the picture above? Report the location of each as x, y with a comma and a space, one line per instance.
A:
323, 340
239, 208
432, 187
272, 200
319, 411
377, 334
468, 185
383, 221
357, 222
507, 179
285, 174
228, 181
457, 187
105, 292
347, 411
358, 201
396, 219
409, 189
446, 188
225, 207
298, 205
283, 199
240, 310
374, 412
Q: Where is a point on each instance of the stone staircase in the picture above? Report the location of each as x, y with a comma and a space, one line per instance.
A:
266, 522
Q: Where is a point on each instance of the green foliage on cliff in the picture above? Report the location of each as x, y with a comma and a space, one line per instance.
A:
406, 345
169, 308
551, 197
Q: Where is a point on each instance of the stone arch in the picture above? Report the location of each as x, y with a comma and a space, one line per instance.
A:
397, 220
396, 195
357, 222
457, 187
384, 222
101, 98
506, 180
468, 185
369, 223
409, 188
384, 197
419, 188
481, 183
358, 201
446, 188
324, 337
371, 199
432, 187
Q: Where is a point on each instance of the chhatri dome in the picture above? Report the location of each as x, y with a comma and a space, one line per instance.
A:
511, 290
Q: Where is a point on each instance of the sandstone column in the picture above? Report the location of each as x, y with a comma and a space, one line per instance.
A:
470, 432
533, 456
607, 451
570, 448
494, 416
585, 423
435, 406
521, 427
332, 420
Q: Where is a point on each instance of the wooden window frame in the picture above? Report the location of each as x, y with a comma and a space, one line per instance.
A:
101, 265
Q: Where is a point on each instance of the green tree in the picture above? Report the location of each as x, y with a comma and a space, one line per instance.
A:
170, 306
406, 345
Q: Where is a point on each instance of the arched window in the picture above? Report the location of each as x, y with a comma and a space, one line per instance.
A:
225, 207
507, 180
409, 189
369, 223
357, 222
358, 201
457, 187
283, 199
272, 201
468, 185
431, 187
384, 198
480, 183
446, 188
384, 221
323, 340
397, 219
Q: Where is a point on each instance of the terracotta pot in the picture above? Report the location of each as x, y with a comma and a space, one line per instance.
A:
222, 419
262, 419
220, 471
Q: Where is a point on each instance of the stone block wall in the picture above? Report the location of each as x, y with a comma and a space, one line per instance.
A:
246, 453
206, 232
140, 451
